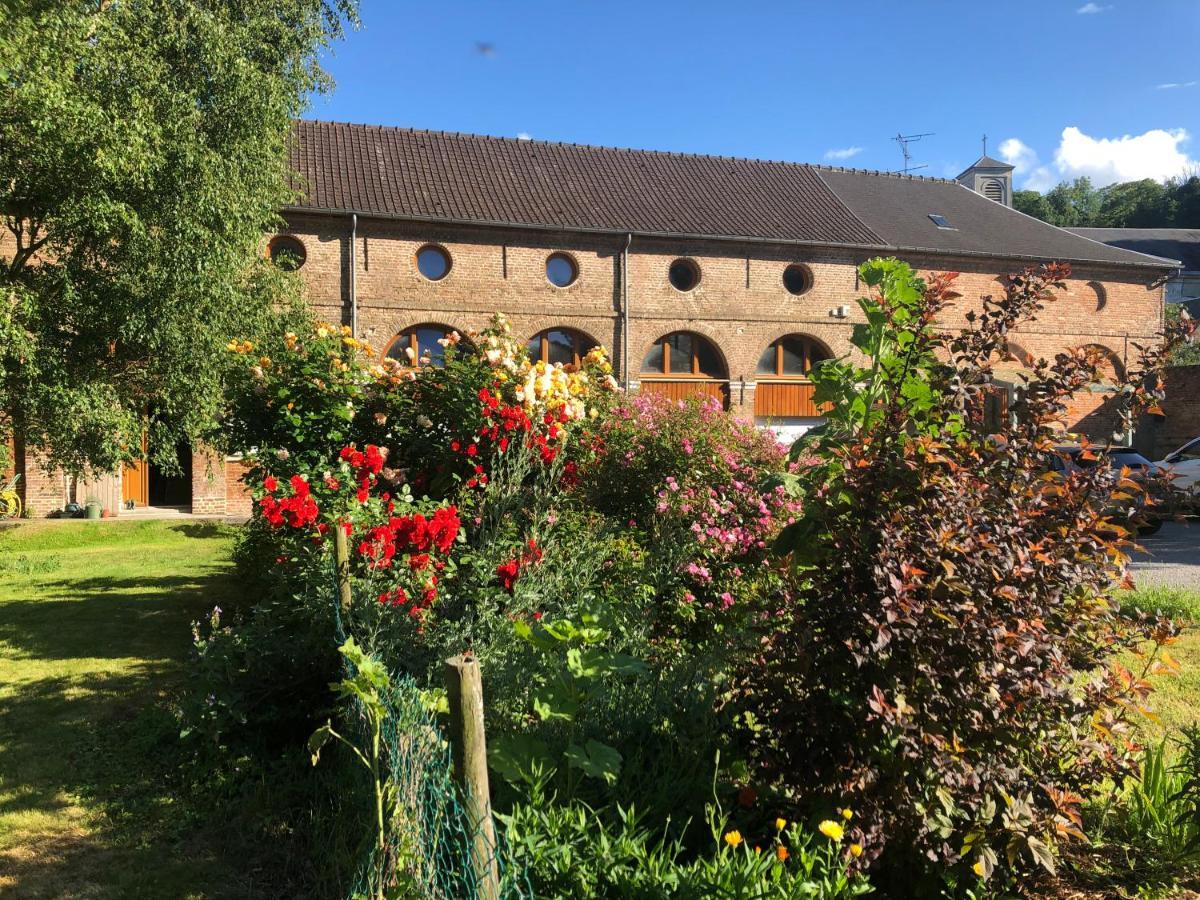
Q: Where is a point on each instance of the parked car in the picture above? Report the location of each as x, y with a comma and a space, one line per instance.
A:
1135, 513
1184, 464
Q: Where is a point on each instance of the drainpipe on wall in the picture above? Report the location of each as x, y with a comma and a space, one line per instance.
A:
354, 275
625, 309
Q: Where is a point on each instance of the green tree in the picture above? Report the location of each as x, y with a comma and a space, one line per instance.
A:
1073, 205
143, 145
1135, 204
1186, 201
1032, 204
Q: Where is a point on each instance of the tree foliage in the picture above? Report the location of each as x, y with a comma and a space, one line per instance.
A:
949, 662
143, 146
1133, 204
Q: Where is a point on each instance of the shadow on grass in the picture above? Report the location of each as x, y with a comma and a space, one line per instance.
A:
100, 739
91, 764
112, 618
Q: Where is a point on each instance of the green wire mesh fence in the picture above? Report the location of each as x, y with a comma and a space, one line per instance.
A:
431, 846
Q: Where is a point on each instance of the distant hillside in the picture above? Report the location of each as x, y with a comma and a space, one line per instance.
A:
1133, 204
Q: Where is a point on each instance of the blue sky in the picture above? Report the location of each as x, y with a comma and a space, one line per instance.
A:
1106, 89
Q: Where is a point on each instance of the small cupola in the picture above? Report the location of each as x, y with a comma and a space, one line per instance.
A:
989, 177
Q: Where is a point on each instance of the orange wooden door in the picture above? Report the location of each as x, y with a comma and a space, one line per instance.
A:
135, 480
681, 389
785, 400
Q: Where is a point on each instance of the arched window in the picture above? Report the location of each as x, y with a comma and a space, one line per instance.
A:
683, 355
792, 356
286, 252
422, 341
1101, 294
560, 345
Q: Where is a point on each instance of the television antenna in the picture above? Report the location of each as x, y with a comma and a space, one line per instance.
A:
904, 140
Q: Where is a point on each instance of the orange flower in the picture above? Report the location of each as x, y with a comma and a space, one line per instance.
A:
782, 853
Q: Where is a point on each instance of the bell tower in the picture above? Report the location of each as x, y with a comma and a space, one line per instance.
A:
989, 177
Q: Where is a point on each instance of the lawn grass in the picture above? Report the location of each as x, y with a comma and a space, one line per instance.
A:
94, 633
1176, 698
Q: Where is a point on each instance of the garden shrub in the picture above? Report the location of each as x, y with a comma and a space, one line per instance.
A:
475, 498
948, 661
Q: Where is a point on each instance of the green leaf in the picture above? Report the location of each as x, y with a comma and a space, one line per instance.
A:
595, 760
319, 739
518, 758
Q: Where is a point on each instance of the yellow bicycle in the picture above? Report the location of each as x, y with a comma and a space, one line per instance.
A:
10, 500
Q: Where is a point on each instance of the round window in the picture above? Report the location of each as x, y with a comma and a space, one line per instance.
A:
797, 278
684, 275
286, 252
433, 262
561, 270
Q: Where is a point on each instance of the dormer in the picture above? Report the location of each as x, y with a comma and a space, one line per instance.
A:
990, 177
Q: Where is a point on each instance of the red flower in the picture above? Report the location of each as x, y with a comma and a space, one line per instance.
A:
270, 484
507, 573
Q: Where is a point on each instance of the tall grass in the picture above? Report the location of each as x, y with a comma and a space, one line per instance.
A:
1176, 603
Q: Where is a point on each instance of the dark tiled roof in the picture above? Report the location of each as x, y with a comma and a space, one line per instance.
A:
987, 162
1182, 244
460, 177
440, 176
898, 209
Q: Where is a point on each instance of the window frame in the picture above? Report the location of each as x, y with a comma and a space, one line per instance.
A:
578, 341
695, 375
809, 278
809, 343
411, 333
697, 272
416, 259
275, 244
570, 260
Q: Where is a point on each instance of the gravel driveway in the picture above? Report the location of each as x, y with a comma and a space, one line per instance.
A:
1172, 557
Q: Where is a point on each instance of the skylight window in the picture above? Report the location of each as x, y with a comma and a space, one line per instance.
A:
941, 222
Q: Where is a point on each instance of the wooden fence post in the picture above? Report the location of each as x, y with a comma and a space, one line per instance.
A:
341, 554
464, 689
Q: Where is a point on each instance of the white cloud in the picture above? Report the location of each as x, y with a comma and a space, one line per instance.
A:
843, 153
1028, 170
1172, 85
1090, 9
524, 136
1156, 154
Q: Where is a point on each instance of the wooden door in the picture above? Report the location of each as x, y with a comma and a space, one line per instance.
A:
135, 480
785, 400
684, 388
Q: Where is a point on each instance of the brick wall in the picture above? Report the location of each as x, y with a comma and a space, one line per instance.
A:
740, 305
1181, 407
238, 501
209, 482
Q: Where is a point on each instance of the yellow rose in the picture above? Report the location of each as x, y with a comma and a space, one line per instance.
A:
856, 850
831, 830
780, 824
847, 814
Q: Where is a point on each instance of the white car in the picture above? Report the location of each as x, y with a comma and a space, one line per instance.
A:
1185, 464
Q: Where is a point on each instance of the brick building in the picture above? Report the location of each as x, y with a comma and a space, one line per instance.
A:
715, 275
